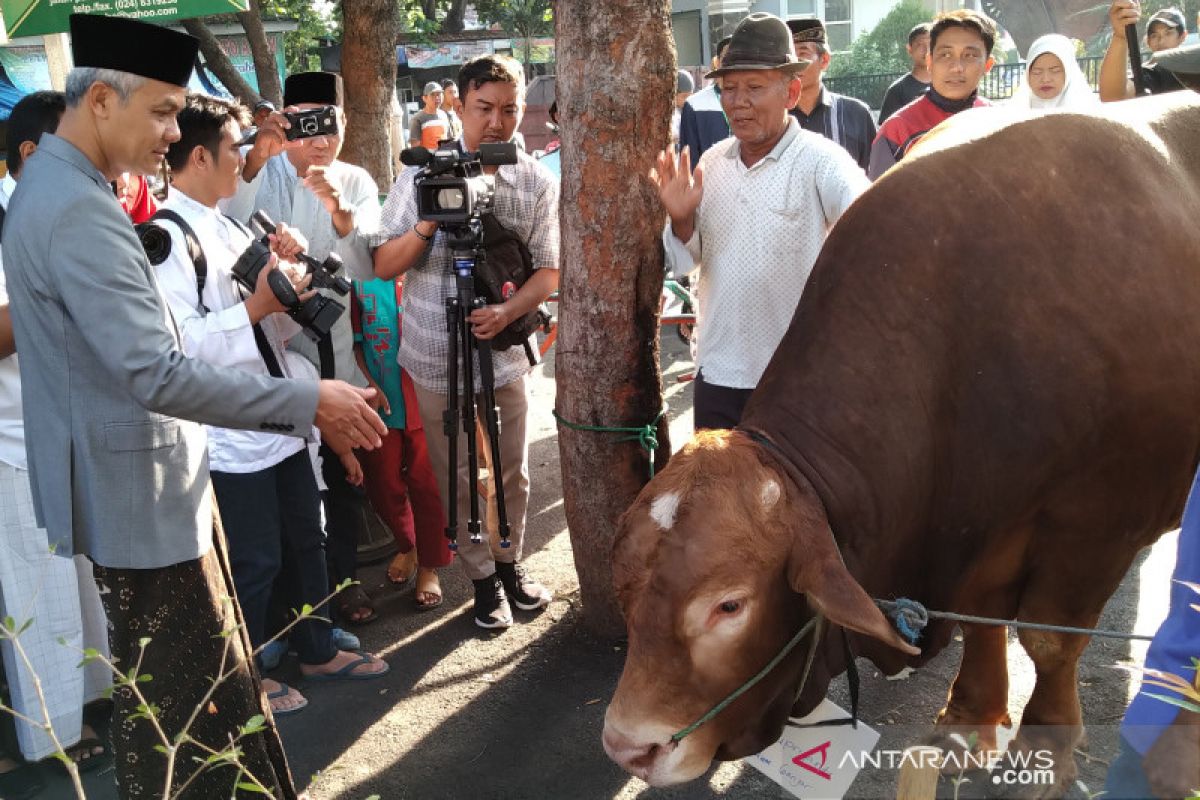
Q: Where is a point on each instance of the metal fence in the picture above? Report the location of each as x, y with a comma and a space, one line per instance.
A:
998, 84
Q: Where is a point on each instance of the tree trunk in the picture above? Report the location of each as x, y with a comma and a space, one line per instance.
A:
265, 65
219, 63
616, 81
453, 22
429, 9
369, 30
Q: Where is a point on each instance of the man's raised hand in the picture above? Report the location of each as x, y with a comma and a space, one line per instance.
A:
679, 189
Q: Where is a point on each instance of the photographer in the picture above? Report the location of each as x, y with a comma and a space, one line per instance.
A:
492, 89
263, 481
335, 206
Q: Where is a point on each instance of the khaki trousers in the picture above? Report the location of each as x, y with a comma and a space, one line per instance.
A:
513, 402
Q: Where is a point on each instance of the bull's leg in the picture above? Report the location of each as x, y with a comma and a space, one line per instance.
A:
1052, 723
978, 699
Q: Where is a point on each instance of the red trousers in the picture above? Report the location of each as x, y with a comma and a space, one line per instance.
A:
400, 482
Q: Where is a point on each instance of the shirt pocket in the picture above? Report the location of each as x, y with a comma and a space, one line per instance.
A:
147, 435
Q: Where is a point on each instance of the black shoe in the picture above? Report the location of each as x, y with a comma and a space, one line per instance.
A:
491, 606
524, 593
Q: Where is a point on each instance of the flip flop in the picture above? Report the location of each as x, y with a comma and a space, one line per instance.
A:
283, 691
353, 599
426, 590
347, 672
93, 761
399, 572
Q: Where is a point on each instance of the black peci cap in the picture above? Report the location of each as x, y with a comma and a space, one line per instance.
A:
324, 88
138, 48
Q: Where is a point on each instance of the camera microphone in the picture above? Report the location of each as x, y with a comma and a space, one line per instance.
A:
415, 156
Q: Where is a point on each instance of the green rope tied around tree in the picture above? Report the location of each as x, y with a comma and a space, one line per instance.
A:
645, 435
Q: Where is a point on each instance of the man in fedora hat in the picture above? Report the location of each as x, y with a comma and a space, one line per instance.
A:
755, 212
845, 120
117, 461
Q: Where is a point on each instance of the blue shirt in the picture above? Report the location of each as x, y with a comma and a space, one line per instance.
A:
1177, 642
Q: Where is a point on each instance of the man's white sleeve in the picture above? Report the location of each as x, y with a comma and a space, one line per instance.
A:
355, 247
220, 337
681, 257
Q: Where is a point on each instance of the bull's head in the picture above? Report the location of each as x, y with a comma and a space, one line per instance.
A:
708, 563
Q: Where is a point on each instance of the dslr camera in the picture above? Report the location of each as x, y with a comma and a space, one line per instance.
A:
305, 125
317, 314
451, 188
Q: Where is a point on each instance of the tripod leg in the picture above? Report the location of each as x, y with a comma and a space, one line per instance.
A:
491, 421
450, 419
470, 423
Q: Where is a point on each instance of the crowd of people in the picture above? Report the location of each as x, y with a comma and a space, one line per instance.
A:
206, 376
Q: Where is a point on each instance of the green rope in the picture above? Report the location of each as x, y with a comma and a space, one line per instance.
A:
645, 435
745, 687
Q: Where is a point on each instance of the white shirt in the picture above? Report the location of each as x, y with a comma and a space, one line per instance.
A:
223, 336
12, 426
758, 232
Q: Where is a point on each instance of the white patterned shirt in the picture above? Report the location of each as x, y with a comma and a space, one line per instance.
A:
527, 204
758, 232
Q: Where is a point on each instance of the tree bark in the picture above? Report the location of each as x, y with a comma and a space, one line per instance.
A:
369, 30
615, 84
219, 63
453, 21
265, 66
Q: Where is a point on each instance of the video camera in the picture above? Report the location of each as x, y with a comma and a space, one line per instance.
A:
318, 313
452, 189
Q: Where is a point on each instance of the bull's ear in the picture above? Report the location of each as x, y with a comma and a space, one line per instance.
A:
816, 570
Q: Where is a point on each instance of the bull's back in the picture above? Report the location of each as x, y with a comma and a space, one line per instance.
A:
1003, 327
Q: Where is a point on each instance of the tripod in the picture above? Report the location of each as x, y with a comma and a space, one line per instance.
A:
466, 243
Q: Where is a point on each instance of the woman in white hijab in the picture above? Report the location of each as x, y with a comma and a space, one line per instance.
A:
1053, 78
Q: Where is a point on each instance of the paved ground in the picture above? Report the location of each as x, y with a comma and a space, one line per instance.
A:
517, 715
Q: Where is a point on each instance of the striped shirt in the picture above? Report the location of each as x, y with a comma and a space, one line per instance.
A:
526, 203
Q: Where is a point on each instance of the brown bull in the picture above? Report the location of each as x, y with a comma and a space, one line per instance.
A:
988, 401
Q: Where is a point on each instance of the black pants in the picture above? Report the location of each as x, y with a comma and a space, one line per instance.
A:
717, 406
263, 512
344, 519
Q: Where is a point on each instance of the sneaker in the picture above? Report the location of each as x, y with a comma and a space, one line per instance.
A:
272, 653
344, 640
524, 593
491, 606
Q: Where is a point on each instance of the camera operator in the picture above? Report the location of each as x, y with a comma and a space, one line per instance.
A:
526, 202
263, 481
117, 462
335, 206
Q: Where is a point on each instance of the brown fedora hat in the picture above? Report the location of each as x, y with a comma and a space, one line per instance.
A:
760, 42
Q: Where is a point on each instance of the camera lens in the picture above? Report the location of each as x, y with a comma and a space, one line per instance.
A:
309, 126
450, 199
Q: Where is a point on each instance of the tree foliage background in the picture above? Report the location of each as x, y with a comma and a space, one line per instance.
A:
881, 49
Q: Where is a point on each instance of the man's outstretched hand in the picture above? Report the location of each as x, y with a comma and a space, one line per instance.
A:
346, 419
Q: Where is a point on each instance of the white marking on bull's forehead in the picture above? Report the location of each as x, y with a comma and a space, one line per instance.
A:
663, 509
769, 493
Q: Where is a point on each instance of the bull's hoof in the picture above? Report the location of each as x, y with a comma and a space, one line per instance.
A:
1039, 763
965, 739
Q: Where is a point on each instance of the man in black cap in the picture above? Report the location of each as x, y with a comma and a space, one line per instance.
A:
841, 119
335, 206
1165, 30
117, 469
755, 214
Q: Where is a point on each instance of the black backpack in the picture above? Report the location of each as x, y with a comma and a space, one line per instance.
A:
506, 268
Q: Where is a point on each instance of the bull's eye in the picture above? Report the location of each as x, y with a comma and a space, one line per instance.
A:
730, 607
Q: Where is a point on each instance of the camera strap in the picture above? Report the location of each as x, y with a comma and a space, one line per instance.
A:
200, 264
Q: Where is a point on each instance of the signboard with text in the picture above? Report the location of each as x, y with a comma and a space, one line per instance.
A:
43, 17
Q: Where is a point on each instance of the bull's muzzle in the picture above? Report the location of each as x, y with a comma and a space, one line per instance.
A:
639, 757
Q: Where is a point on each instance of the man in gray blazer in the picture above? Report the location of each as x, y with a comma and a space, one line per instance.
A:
117, 456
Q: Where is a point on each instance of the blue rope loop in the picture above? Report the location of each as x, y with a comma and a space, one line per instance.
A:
908, 616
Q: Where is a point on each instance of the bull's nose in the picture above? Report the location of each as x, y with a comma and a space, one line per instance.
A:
636, 757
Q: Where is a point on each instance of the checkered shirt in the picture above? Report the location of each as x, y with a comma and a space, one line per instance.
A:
527, 204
